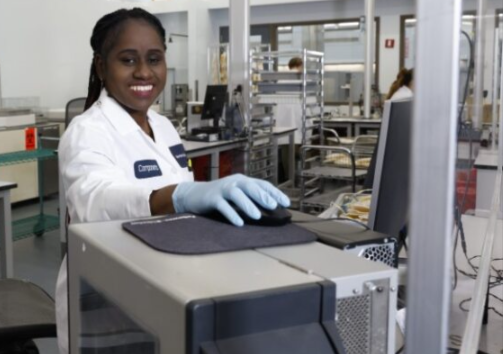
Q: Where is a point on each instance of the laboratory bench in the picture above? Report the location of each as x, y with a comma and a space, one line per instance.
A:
6, 265
353, 126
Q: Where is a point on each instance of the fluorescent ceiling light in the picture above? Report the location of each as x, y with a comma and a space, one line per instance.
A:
330, 26
349, 24
285, 28
410, 20
468, 17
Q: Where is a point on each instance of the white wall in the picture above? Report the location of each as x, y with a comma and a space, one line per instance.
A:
45, 49
177, 51
23, 51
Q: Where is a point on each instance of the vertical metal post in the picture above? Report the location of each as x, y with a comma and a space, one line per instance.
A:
304, 96
432, 175
1, 100
500, 146
496, 66
6, 263
480, 41
369, 57
239, 50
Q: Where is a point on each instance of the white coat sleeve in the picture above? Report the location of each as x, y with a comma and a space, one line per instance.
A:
96, 187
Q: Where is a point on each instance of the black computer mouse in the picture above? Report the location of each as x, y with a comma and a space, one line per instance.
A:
276, 217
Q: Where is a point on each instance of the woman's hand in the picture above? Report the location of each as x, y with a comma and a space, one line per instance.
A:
203, 197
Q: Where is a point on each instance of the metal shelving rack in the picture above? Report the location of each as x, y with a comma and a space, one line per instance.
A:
350, 164
40, 223
269, 85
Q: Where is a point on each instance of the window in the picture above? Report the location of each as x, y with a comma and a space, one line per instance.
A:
343, 42
408, 36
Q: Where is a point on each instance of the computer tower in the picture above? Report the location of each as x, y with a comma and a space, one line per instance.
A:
367, 244
366, 293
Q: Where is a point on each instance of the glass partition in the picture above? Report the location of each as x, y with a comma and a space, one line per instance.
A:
343, 43
408, 35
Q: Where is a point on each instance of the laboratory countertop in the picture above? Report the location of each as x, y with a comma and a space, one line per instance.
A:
192, 146
7, 185
38, 123
352, 120
487, 160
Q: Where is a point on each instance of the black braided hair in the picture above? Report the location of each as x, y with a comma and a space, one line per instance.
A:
104, 34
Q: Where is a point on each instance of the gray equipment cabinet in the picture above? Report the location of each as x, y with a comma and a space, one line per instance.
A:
127, 297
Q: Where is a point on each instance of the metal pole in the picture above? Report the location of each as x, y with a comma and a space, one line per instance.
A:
479, 65
6, 262
496, 67
500, 146
239, 50
432, 175
369, 57
1, 101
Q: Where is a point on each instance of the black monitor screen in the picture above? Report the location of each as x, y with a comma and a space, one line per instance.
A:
390, 190
214, 102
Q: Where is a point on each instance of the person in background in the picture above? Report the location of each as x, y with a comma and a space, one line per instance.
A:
402, 86
295, 64
289, 114
120, 160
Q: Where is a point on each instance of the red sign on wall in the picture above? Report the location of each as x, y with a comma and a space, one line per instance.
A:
30, 138
389, 43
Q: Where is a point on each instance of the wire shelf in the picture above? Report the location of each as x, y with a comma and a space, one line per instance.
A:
333, 172
34, 225
16, 157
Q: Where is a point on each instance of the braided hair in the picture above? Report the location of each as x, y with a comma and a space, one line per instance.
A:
104, 34
404, 78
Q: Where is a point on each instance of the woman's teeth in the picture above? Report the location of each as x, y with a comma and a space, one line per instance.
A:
142, 88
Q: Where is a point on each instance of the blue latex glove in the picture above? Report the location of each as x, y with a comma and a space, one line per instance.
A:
203, 197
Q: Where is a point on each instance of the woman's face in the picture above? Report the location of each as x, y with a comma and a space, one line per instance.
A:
134, 71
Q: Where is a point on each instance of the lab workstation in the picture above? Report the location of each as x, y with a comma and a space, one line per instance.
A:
251, 177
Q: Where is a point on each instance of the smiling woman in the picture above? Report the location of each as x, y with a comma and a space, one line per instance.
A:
121, 160
133, 67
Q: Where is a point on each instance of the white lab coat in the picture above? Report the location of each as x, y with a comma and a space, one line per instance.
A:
109, 168
401, 93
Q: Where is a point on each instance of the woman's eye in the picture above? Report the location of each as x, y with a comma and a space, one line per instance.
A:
154, 60
128, 61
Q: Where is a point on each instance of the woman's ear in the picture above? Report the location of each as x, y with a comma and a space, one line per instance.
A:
99, 65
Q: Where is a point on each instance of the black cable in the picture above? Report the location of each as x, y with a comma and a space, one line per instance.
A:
489, 307
401, 349
332, 219
457, 205
471, 64
456, 351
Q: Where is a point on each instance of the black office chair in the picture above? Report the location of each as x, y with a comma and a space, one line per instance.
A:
74, 108
26, 312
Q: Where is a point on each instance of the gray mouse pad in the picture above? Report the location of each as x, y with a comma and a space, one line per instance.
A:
194, 234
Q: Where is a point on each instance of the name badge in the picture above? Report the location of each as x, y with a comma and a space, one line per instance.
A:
147, 169
178, 153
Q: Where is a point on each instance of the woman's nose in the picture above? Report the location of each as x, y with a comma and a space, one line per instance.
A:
143, 70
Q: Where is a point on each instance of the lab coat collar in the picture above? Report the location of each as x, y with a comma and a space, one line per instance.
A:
120, 119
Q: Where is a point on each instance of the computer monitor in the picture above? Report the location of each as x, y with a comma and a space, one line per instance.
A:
214, 103
390, 191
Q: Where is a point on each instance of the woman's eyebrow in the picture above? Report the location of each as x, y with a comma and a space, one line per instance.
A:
128, 51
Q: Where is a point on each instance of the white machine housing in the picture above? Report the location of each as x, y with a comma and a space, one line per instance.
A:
153, 289
366, 293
